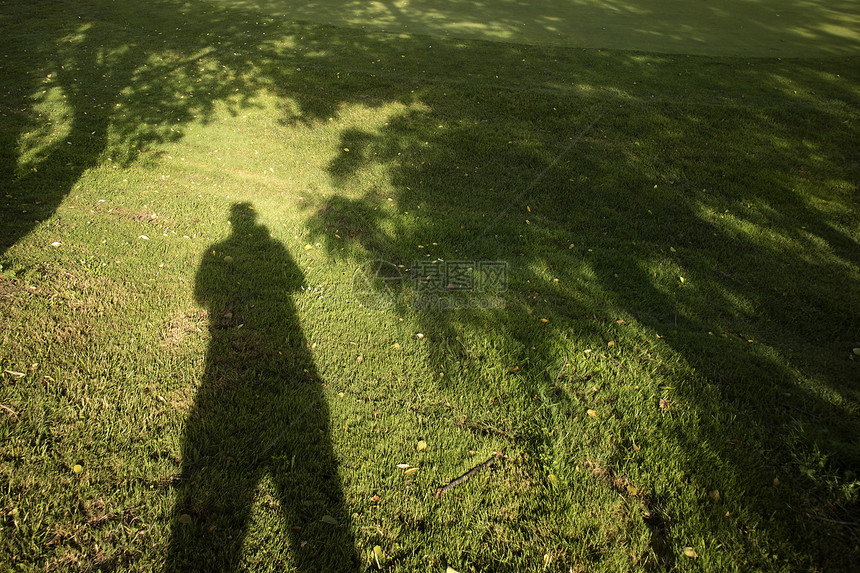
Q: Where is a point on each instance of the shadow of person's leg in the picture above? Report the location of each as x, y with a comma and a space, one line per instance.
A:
220, 469
220, 458
310, 488
216, 489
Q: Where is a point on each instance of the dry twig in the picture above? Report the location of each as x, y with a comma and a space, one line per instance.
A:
11, 412
468, 474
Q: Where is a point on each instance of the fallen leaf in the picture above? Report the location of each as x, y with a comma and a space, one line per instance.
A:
611, 343
715, 495
403, 466
592, 413
544, 320
419, 335
184, 519
690, 552
422, 445
664, 405
411, 471
374, 498
144, 237
77, 468
856, 351
56, 244
328, 519
378, 555
396, 345
450, 570
13, 373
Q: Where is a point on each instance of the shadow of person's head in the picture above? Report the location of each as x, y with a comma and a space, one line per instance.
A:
242, 216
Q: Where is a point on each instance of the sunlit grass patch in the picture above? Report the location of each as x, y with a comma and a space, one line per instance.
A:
268, 285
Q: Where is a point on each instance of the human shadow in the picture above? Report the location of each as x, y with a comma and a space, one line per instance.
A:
256, 444
131, 88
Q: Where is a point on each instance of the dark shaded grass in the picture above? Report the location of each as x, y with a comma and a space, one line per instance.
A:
615, 173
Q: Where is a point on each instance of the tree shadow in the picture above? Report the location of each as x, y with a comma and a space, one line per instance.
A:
258, 433
789, 28
638, 173
639, 221
84, 89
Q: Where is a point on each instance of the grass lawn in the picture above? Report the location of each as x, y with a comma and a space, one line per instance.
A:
269, 283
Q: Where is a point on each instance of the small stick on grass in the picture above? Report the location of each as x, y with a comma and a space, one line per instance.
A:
836, 521
10, 411
557, 376
801, 410
468, 474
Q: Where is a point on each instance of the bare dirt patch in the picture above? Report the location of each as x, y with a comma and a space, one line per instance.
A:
178, 327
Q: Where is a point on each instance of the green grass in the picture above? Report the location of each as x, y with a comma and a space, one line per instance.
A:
729, 28
193, 375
